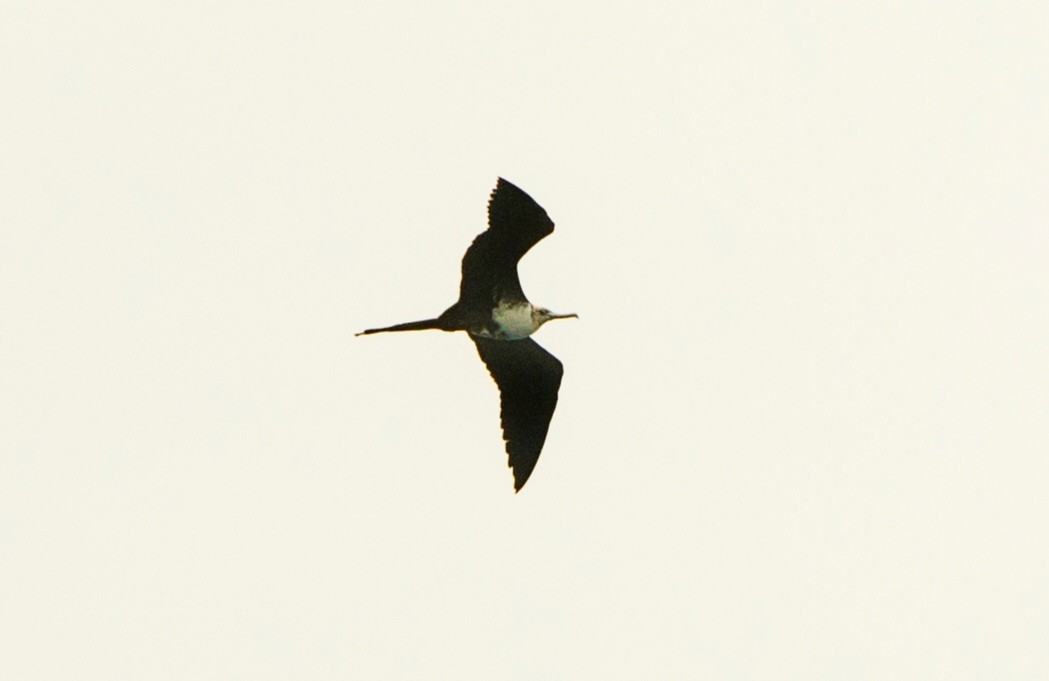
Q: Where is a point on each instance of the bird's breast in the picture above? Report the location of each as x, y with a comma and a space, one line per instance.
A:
509, 322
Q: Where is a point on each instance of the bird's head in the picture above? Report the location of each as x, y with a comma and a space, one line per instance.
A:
543, 315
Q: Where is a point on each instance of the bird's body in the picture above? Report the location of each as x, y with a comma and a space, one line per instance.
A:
493, 309
511, 321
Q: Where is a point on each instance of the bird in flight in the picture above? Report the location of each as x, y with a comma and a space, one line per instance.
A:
493, 310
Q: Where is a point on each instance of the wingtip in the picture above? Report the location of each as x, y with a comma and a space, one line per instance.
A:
501, 182
519, 483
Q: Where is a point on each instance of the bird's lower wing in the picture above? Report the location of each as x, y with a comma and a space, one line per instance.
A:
528, 378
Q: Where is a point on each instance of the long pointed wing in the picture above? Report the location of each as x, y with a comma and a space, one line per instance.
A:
515, 224
528, 378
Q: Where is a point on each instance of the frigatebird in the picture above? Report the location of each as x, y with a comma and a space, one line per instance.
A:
494, 311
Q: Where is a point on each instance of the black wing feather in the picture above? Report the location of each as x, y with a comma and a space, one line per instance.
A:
515, 224
528, 378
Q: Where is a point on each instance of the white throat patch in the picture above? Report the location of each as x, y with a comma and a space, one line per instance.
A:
514, 322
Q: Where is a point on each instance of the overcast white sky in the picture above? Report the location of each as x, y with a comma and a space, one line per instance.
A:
804, 425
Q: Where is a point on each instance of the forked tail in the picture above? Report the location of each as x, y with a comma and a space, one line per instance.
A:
407, 326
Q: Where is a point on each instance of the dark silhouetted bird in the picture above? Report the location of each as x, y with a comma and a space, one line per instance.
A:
493, 309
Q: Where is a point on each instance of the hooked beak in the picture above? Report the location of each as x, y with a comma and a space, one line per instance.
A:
573, 315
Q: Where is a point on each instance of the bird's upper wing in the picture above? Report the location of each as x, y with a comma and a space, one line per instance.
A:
515, 224
528, 378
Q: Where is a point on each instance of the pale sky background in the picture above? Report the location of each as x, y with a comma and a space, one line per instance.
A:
804, 425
